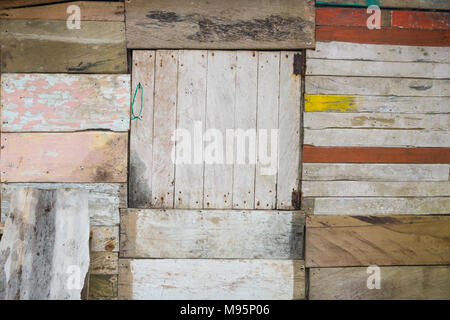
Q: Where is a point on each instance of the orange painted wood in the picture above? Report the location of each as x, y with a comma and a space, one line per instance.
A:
386, 35
357, 17
89, 156
375, 155
421, 19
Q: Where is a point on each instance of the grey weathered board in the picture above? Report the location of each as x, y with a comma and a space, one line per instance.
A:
206, 92
216, 24
229, 234
206, 279
44, 252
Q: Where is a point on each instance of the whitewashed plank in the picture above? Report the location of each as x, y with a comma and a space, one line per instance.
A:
377, 52
212, 234
375, 189
381, 206
289, 152
377, 86
46, 241
267, 120
377, 138
206, 279
141, 138
192, 71
220, 104
105, 238
104, 199
163, 175
377, 69
245, 119
325, 120
375, 172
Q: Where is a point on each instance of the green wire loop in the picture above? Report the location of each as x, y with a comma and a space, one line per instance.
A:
139, 116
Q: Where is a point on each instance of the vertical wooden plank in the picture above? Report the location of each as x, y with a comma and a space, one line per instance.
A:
245, 119
166, 73
220, 102
289, 131
267, 120
141, 132
192, 70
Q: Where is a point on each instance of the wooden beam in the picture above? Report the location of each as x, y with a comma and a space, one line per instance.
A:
24, 3
413, 4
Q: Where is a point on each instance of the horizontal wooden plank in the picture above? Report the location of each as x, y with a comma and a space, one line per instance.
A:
377, 86
341, 16
377, 52
420, 19
382, 206
24, 3
377, 138
325, 120
405, 282
216, 279
375, 155
377, 69
228, 234
89, 11
375, 189
105, 239
64, 102
49, 46
375, 172
335, 241
339, 103
287, 24
64, 157
104, 199
416, 4
104, 263
386, 35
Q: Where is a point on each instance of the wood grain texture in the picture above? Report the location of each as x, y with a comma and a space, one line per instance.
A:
64, 157
416, 4
211, 234
104, 199
105, 239
49, 46
420, 19
234, 24
386, 35
375, 155
342, 16
405, 282
46, 236
89, 11
104, 263
103, 286
64, 102
24, 3
374, 172
161, 279
334, 241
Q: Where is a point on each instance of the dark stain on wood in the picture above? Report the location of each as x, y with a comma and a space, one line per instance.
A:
422, 88
296, 236
140, 193
377, 219
298, 64
296, 199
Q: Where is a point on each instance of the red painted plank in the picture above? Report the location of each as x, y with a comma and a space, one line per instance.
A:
375, 155
421, 20
341, 17
386, 35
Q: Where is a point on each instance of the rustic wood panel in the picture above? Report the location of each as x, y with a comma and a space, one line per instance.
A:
416, 4
48, 46
211, 234
24, 3
233, 24
375, 155
377, 86
377, 138
333, 241
356, 17
375, 172
211, 279
375, 189
378, 69
385, 104
141, 131
378, 52
104, 199
104, 263
103, 286
64, 157
405, 282
420, 19
322, 120
64, 102
89, 11
105, 239
386, 35
382, 206
49, 229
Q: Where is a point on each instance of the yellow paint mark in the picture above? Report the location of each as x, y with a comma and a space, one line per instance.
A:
329, 103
